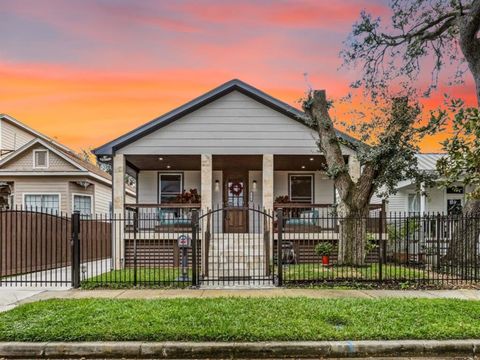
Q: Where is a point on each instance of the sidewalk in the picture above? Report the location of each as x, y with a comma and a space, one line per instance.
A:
10, 298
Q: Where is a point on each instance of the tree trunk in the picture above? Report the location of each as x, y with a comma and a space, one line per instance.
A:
352, 235
462, 254
469, 26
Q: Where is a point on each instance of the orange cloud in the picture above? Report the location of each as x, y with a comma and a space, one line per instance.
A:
87, 108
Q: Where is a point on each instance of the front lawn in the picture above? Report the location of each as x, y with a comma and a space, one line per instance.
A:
319, 272
241, 319
151, 277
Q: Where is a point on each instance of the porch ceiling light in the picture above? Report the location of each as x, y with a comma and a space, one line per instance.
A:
160, 158
303, 166
168, 166
311, 159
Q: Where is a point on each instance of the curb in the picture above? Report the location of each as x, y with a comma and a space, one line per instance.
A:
217, 350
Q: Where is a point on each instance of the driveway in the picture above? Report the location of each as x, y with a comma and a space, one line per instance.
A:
11, 296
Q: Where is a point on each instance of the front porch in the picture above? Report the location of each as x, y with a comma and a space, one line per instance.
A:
297, 182
240, 194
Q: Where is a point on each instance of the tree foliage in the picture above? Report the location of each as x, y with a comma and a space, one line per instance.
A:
422, 34
390, 138
463, 147
393, 134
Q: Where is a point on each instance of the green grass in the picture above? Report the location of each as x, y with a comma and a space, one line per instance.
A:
168, 277
119, 279
316, 271
241, 319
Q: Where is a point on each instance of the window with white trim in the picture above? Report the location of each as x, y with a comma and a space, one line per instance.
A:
40, 159
170, 186
301, 188
49, 203
83, 204
413, 203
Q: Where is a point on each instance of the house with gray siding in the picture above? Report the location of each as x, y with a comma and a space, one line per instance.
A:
236, 147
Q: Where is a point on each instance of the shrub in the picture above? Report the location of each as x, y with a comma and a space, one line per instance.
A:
323, 249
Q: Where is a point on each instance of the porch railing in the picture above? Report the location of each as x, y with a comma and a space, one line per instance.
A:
160, 217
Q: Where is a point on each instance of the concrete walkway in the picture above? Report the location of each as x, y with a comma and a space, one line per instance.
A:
10, 298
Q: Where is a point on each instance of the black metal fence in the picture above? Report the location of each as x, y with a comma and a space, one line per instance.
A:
176, 245
382, 249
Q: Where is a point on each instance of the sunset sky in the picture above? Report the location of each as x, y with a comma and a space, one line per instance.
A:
86, 72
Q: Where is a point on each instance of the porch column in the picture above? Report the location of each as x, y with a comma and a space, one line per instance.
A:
354, 167
423, 199
206, 200
206, 182
267, 200
118, 173
267, 182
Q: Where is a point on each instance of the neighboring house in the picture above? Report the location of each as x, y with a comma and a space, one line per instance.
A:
438, 199
39, 173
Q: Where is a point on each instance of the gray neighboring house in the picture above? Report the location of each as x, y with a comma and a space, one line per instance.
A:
439, 199
36, 172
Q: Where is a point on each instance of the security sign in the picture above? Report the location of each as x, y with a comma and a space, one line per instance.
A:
184, 241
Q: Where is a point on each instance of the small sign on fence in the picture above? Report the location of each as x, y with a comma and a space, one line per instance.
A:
184, 241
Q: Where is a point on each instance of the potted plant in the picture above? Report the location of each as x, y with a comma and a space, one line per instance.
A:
324, 250
188, 197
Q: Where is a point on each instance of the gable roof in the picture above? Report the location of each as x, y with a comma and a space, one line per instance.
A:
232, 85
69, 156
428, 161
34, 132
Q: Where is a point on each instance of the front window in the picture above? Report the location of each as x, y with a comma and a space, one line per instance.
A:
83, 204
49, 203
170, 186
413, 203
301, 188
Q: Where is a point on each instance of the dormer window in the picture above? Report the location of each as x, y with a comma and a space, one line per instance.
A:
40, 159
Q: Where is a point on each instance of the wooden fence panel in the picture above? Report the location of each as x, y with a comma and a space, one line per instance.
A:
35, 241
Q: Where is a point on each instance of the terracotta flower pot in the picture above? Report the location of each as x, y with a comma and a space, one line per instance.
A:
325, 260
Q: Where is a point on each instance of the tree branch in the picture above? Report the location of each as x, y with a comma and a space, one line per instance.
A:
422, 32
316, 107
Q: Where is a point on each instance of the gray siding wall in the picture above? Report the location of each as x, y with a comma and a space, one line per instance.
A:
12, 137
103, 198
233, 124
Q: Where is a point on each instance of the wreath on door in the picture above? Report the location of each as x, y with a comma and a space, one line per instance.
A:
236, 188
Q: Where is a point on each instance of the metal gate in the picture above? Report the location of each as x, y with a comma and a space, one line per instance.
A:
240, 255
